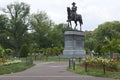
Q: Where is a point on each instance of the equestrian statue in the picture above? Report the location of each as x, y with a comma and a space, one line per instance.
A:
73, 16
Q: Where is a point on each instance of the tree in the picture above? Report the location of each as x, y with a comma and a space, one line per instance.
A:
109, 30
24, 51
112, 46
40, 25
3, 22
18, 23
89, 41
3, 32
56, 34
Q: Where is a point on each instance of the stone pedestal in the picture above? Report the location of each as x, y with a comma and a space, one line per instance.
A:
73, 44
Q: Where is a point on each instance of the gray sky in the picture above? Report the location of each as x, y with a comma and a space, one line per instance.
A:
94, 12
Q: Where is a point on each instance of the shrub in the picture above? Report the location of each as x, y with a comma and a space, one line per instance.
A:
100, 61
56, 51
2, 52
49, 51
24, 51
9, 51
43, 51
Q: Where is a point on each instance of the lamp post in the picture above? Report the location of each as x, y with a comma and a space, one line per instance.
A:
7, 42
8, 37
52, 45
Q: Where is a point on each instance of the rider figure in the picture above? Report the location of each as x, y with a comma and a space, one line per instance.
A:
74, 9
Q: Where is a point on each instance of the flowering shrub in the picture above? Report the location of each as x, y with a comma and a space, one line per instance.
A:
3, 60
100, 61
7, 62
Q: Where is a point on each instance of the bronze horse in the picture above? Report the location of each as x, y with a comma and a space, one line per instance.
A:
71, 18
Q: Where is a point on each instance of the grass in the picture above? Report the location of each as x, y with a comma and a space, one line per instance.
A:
14, 68
95, 72
51, 59
44, 59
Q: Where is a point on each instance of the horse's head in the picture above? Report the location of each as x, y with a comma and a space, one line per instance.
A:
68, 10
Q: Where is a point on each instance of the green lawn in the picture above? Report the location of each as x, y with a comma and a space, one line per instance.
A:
51, 58
44, 59
95, 72
6, 69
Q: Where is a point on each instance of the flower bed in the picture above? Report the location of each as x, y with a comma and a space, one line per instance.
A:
7, 62
110, 64
100, 67
3, 60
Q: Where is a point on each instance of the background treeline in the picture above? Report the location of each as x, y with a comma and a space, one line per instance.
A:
21, 30
104, 40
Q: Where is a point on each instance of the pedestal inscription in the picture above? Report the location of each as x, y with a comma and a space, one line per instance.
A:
73, 44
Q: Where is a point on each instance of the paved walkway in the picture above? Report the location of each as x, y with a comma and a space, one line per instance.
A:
48, 71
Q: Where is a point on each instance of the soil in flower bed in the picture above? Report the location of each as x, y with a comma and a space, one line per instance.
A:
101, 67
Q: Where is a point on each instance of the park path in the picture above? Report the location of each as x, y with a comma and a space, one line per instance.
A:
48, 71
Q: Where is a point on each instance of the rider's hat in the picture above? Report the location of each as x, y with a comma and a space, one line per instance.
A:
73, 3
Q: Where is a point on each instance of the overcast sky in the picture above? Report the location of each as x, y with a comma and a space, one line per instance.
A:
94, 12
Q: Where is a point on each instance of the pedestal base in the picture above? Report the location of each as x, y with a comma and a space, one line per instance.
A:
73, 54
74, 44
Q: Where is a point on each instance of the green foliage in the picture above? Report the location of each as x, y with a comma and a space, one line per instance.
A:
14, 68
1, 52
87, 50
112, 46
36, 30
24, 51
57, 33
56, 51
9, 51
49, 51
43, 50
95, 72
3, 21
40, 25
107, 29
36, 50
3, 30
18, 24
45, 32
61, 49
104, 39
89, 41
